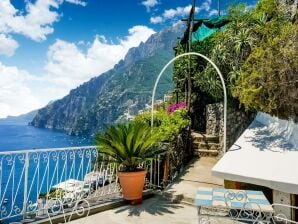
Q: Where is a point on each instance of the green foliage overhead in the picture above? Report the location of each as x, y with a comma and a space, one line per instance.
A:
268, 80
166, 127
128, 145
257, 54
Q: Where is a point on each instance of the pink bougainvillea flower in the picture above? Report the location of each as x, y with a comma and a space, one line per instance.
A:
174, 107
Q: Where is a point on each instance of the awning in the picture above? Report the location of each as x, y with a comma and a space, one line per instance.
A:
266, 154
203, 28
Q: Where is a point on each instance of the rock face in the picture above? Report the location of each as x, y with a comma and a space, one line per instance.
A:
290, 7
105, 98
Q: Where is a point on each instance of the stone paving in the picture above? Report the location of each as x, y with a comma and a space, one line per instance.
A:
161, 210
197, 174
154, 210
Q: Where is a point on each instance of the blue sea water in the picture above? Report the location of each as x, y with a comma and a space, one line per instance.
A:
22, 137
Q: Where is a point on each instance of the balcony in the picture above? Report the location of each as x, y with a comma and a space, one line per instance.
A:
76, 184
45, 183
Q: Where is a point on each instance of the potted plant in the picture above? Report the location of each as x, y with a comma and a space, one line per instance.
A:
129, 145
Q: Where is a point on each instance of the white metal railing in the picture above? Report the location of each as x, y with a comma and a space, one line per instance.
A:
42, 183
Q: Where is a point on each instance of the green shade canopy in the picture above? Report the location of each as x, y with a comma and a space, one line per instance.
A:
203, 28
202, 33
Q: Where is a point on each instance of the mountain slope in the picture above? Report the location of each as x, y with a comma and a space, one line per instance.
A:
105, 98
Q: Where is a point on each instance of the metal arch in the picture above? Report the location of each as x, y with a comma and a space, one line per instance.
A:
222, 82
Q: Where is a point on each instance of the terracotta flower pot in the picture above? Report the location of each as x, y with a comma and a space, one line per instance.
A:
132, 184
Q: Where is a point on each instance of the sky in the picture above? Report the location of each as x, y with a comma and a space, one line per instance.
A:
48, 47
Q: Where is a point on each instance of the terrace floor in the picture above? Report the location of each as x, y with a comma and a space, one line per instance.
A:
197, 174
161, 210
153, 210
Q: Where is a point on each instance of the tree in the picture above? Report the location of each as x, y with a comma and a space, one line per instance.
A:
268, 80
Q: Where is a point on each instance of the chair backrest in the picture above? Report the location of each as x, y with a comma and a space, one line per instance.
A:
241, 208
235, 197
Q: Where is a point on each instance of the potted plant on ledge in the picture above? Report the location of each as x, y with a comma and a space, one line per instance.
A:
129, 145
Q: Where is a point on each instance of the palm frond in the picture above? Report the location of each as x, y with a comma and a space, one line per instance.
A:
128, 144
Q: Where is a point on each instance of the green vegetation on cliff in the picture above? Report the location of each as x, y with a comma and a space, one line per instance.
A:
104, 99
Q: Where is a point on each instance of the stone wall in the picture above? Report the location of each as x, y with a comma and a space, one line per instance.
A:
237, 121
289, 7
214, 118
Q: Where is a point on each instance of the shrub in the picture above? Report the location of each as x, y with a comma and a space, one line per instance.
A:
167, 127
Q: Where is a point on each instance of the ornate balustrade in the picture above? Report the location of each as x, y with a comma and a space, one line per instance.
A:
46, 182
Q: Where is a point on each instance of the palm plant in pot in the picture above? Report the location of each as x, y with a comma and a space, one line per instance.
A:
129, 145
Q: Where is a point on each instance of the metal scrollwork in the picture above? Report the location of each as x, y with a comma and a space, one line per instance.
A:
45, 156
32, 207
3, 211
243, 210
54, 155
35, 157
63, 155
38, 183
239, 196
16, 210
9, 159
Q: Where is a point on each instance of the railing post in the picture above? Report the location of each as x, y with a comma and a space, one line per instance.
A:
151, 174
26, 184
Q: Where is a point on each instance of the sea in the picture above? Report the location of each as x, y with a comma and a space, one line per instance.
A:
21, 137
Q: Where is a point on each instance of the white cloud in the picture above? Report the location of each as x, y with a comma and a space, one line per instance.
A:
206, 5
77, 2
21, 92
156, 19
179, 12
7, 45
15, 95
172, 14
213, 12
149, 4
69, 66
35, 21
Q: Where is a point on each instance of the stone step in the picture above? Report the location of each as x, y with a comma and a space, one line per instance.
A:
206, 152
203, 145
201, 137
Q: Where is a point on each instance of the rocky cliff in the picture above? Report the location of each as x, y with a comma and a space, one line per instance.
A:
104, 99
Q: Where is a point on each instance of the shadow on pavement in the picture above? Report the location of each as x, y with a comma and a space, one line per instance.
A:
152, 206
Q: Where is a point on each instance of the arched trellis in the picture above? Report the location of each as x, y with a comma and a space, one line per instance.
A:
222, 82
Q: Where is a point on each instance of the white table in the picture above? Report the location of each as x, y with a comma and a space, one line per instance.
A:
233, 204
